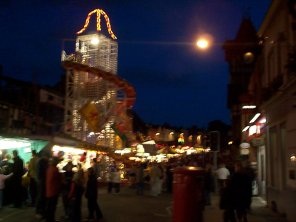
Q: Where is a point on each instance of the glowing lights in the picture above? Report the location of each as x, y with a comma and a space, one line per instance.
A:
68, 149
254, 129
293, 158
249, 107
249, 57
202, 43
255, 117
99, 12
263, 120
7, 143
95, 41
124, 151
246, 128
181, 138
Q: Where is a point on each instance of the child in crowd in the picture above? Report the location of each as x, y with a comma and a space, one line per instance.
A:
2, 185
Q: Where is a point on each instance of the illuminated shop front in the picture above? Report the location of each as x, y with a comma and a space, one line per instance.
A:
256, 150
24, 146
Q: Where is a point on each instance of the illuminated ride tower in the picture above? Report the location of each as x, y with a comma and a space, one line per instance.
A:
97, 99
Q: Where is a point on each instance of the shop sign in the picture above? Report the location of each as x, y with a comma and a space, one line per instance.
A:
245, 151
254, 129
244, 145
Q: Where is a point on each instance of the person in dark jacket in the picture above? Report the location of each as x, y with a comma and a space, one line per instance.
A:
240, 191
250, 173
18, 171
235, 197
91, 194
75, 195
67, 181
41, 168
52, 188
227, 203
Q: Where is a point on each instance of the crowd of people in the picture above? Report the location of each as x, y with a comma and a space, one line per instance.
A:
40, 184
236, 192
233, 183
45, 184
11, 172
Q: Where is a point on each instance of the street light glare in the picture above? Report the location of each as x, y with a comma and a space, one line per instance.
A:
202, 43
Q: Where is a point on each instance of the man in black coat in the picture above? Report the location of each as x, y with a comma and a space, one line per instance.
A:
18, 172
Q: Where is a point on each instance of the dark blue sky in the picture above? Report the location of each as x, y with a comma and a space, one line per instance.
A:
175, 83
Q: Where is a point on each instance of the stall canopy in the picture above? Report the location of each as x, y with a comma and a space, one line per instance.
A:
150, 147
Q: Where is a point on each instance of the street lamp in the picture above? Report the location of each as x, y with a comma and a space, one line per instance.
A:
204, 41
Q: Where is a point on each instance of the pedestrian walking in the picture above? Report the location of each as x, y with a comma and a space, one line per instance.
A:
6, 166
234, 196
222, 175
116, 180
91, 194
240, 191
155, 178
227, 203
32, 168
41, 169
169, 178
76, 193
67, 181
109, 178
53, 188
18, 172
140, 178
251, 176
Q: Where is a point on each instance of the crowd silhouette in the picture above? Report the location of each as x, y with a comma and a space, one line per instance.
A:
40, 184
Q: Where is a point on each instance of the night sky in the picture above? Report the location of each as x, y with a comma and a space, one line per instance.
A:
175, 83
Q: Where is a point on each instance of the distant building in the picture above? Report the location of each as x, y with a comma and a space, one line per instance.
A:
27, 108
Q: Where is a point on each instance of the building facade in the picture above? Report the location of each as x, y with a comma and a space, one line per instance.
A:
278, 99
270, 130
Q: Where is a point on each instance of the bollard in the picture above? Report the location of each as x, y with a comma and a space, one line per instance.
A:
188, 194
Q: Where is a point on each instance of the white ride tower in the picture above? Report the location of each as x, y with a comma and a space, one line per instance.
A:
91, 103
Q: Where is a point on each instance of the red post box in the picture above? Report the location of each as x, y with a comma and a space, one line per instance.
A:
188, 194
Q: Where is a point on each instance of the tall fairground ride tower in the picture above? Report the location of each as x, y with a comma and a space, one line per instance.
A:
97, 99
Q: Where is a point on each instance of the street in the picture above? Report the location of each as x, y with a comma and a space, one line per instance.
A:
128, 207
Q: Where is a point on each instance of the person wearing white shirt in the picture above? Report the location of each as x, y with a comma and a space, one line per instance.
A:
223, 175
